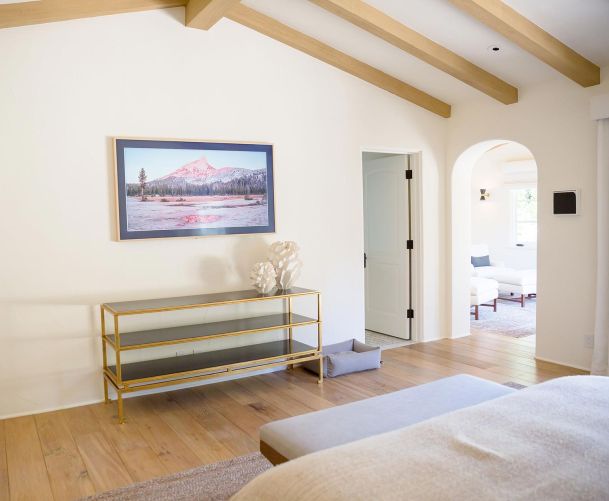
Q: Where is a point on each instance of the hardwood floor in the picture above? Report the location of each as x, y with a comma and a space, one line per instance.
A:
67, 454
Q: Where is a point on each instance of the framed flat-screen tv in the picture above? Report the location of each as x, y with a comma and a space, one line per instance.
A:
171, 188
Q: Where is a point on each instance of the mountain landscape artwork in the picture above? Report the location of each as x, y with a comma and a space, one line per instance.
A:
184, 188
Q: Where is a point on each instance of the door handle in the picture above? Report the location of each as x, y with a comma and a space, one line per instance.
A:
365, 259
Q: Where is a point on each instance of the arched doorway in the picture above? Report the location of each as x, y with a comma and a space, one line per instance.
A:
462, 236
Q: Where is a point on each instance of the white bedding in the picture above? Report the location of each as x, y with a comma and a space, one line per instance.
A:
548, 442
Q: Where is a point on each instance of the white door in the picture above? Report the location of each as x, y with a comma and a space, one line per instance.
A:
385, 240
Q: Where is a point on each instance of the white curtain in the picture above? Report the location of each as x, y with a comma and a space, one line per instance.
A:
600, 360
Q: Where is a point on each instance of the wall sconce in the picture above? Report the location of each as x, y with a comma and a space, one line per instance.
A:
484, 195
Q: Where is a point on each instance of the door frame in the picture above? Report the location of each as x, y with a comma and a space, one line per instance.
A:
417, 220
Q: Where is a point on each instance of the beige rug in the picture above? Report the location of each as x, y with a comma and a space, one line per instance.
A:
218, 481
510, 320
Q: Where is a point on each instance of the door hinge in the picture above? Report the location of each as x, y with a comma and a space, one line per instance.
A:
409, 244
410, 313
408, 174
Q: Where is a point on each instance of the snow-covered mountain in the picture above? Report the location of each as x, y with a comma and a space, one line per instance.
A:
202, 172
202, 178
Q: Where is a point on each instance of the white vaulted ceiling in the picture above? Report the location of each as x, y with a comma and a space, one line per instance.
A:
581, 24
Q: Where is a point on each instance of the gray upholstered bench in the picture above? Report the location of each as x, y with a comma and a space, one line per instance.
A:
290, 438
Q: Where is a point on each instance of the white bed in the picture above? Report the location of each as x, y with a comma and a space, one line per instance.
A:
548, 442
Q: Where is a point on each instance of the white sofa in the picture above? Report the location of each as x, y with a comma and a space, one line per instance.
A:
520, 283
483, 291
480, 250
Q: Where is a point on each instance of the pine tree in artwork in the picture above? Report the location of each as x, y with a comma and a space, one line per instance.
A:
142, 180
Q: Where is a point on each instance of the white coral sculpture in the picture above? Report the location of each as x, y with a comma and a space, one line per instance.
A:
263, 277
284, 257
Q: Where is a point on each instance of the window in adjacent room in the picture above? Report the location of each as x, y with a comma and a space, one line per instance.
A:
524, 217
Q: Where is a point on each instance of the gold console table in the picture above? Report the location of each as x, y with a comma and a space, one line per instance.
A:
144, 375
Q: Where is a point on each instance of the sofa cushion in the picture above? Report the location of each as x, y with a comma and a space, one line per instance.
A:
478, 261
300, 435
478, 285
490, 271
483, 298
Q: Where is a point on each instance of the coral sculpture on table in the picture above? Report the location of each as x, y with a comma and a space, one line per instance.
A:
284, 257
264, 277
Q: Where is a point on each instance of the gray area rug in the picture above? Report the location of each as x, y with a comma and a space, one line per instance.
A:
510, 320
218, 481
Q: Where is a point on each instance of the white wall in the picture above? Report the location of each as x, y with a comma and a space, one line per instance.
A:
553, 122
499, 171
67, 88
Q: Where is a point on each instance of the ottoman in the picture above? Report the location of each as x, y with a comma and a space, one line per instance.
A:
522, 283
287, 439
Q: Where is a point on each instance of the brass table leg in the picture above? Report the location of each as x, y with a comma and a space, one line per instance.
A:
290, 333
104, 352
119, 371
320, 345
106, 399
119, 402
321, 370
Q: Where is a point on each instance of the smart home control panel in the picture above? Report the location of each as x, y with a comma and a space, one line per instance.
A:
566, 203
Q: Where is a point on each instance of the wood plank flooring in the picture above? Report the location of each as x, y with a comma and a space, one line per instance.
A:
64, 455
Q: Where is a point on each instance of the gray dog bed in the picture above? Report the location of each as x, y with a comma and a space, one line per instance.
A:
348, 356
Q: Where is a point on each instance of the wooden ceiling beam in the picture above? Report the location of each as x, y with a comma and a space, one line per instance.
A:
383, 26
203, 14
319, 50
517, 28
48, 11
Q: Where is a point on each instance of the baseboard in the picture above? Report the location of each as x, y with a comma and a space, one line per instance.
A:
143, 393
431, 340
51, 409
460, 335
562, 363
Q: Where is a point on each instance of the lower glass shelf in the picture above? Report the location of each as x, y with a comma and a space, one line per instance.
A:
187, 333
256, 354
